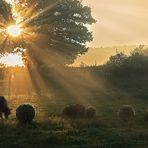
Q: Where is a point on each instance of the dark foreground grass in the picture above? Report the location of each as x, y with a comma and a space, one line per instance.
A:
56, 132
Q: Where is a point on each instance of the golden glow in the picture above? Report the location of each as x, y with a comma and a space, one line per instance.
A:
14, 30
9, 1
12, 60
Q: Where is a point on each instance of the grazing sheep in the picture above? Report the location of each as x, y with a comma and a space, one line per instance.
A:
74, 111
126, 112
90, 112
4, 109
25, 113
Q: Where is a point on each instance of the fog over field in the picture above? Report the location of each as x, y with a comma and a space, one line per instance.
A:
100, 55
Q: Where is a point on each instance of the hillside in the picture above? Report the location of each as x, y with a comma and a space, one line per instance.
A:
101, 54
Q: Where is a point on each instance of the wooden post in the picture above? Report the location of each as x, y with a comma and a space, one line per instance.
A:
9, 86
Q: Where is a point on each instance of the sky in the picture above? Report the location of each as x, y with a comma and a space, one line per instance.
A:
12, 60
119, 22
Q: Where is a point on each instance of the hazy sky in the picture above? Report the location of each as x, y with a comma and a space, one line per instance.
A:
119, 22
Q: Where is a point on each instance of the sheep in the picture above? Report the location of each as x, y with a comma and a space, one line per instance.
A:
90, 112
4, 109
126, 112
25, 113
74, 111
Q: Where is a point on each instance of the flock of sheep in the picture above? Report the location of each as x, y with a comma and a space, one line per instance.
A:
25, 113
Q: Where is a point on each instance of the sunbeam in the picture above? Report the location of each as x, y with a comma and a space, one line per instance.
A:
29, 30
77, 91
38, 14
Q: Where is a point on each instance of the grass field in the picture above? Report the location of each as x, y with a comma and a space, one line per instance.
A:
104, 131
56, 132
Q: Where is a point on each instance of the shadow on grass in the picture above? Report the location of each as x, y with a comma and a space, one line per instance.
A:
64, 133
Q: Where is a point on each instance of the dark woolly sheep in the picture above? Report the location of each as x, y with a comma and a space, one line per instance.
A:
90, 112
74, 111
4, 109
25, 113
126, 112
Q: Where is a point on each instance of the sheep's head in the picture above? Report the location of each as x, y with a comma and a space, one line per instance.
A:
7, 112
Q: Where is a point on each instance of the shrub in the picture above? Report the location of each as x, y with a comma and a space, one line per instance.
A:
25, 113
126, 112
74, 111
90, 112
146, 116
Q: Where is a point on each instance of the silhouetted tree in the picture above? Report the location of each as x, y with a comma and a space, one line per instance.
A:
54, 31
6, 13
117, 59
123, 65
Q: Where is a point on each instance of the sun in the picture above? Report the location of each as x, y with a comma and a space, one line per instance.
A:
14, 30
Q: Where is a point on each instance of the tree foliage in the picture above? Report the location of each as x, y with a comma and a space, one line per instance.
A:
122, 65
6, 12
54, 30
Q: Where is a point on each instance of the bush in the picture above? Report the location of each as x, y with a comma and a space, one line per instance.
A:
90, 112
25, 113
74, 111
126, 112
146, 116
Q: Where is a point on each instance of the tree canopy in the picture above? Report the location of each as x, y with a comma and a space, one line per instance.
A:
53, 31
121, 65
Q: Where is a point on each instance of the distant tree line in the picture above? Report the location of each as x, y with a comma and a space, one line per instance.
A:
121, 65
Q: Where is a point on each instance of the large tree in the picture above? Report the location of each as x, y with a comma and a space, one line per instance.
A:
53, 31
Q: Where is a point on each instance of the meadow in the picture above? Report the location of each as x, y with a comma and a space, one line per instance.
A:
50, 37
85, 87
